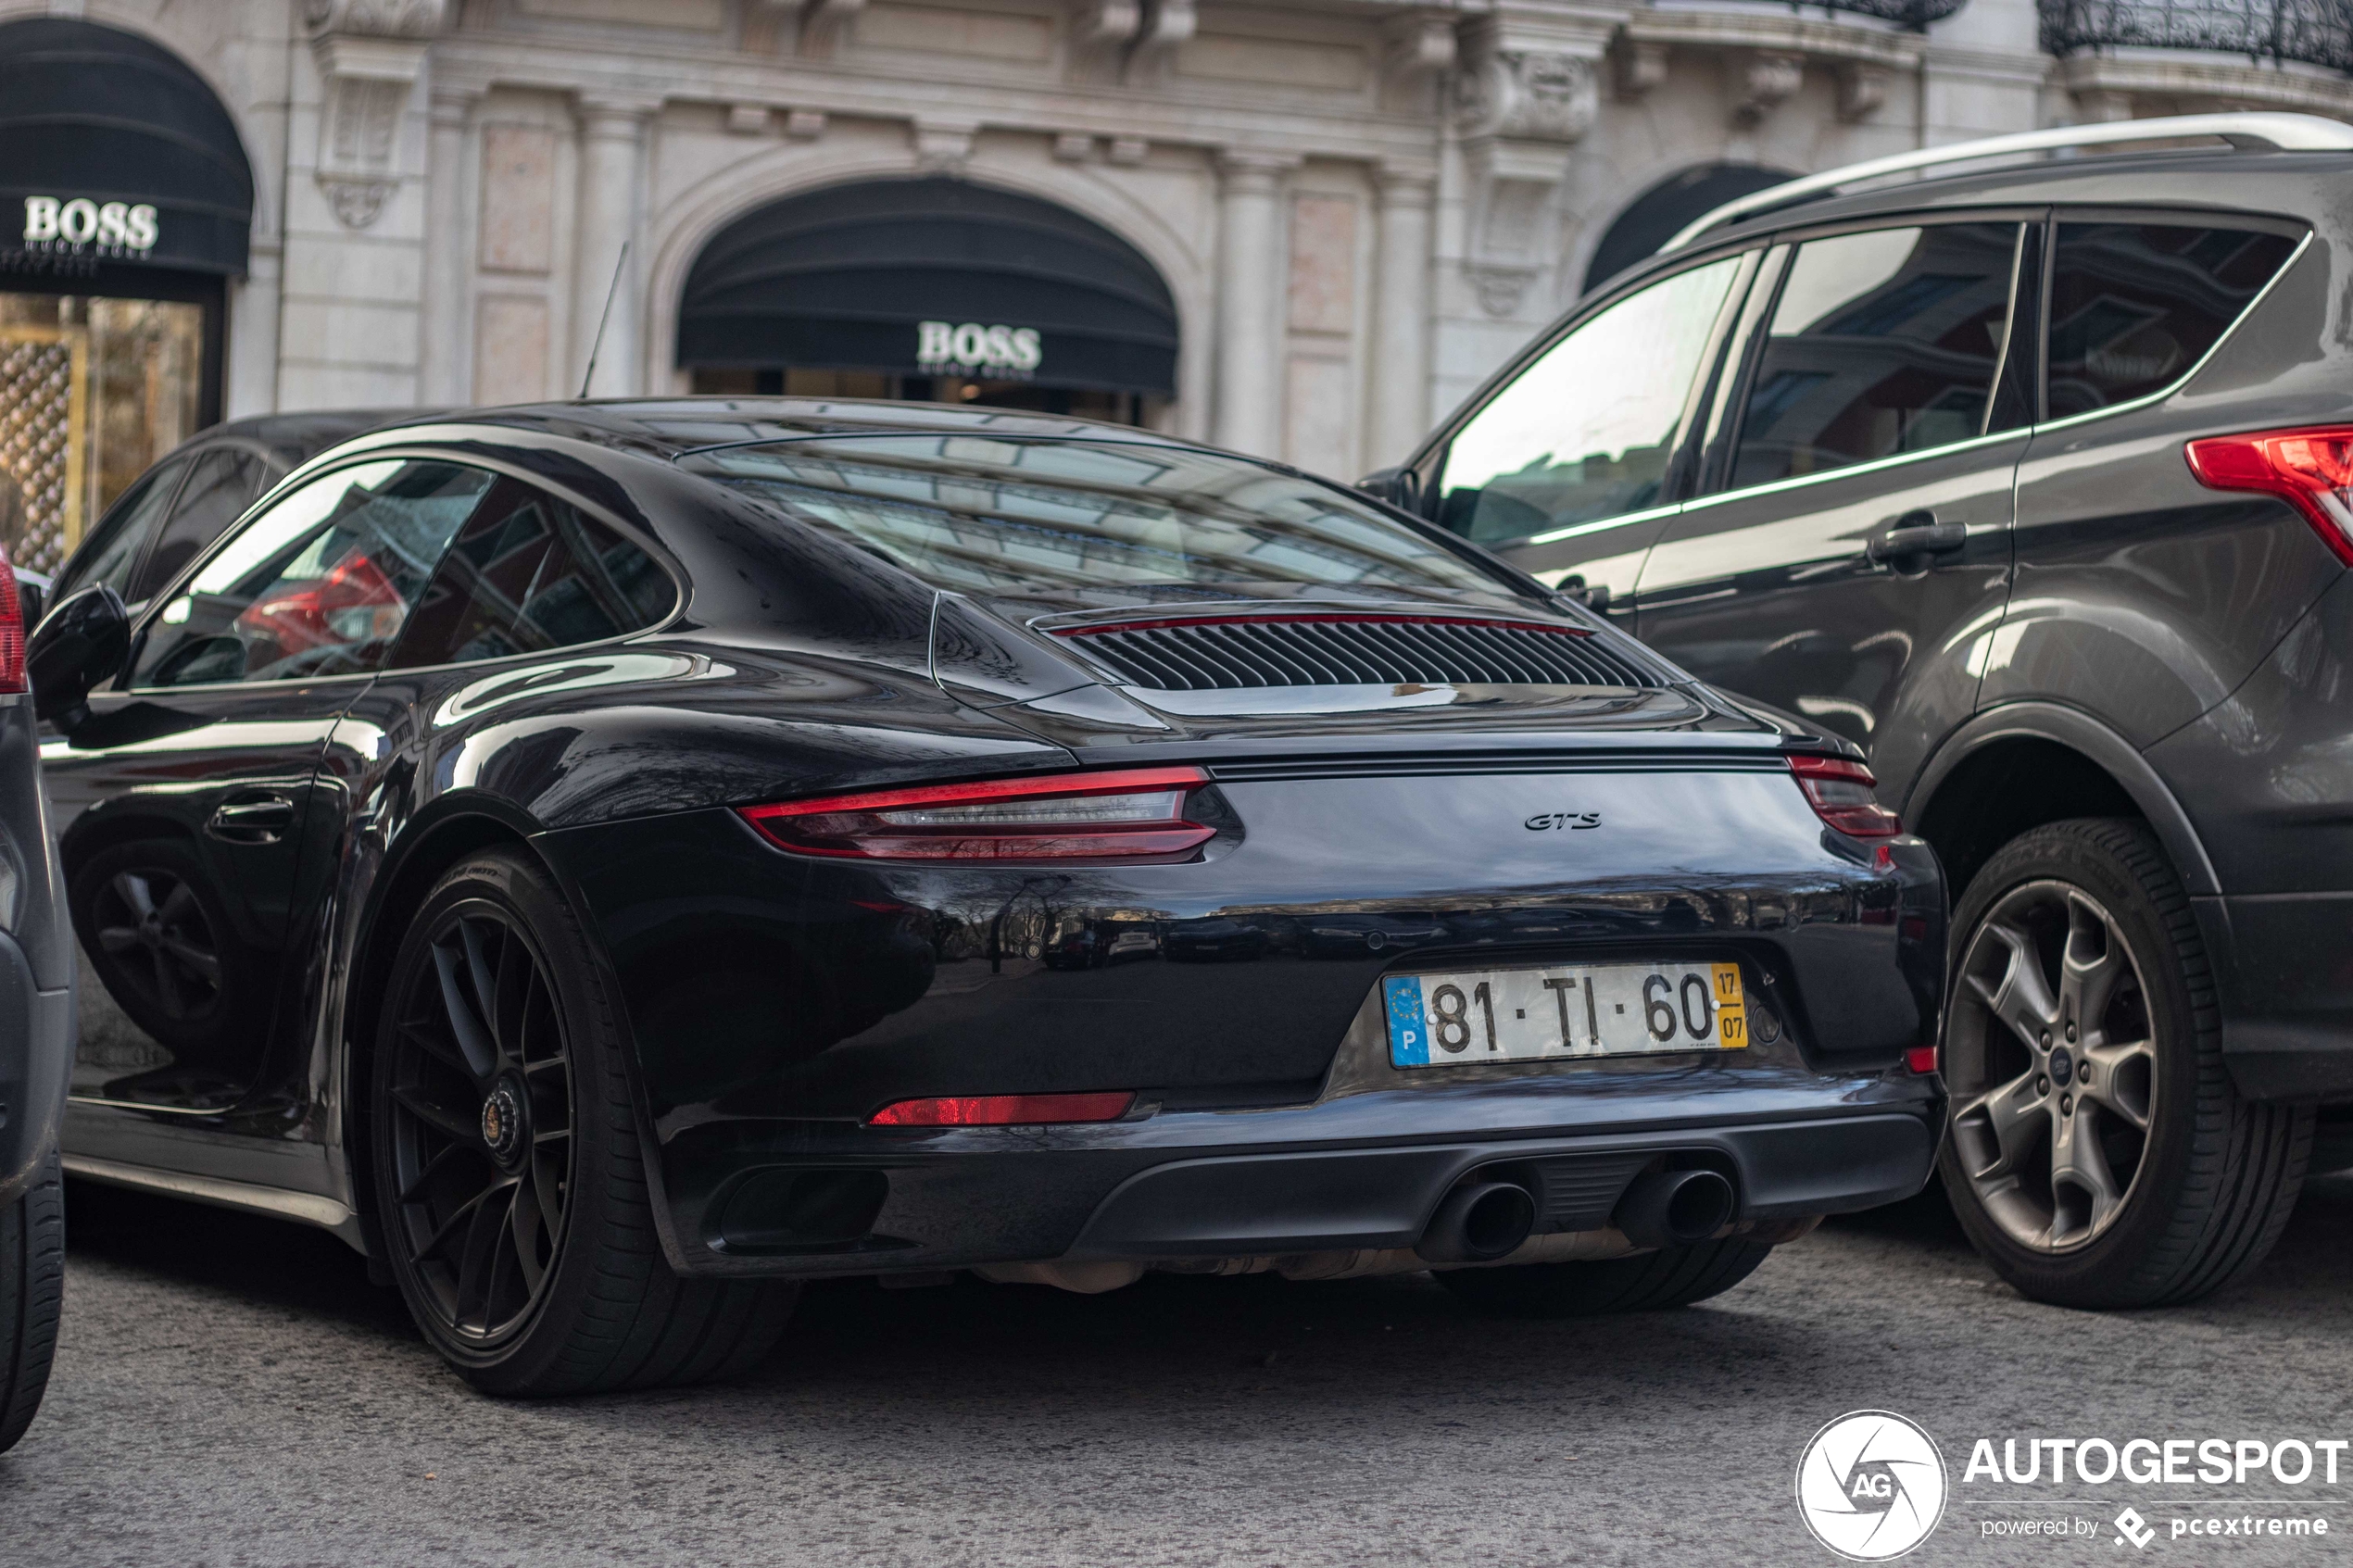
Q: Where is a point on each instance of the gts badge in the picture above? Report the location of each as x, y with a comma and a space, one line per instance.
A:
1575, 820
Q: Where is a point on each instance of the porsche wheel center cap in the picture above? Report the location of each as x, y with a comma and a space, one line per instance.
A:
502, 1123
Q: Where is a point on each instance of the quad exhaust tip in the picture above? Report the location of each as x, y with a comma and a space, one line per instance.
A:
1478, 1222
1674, 1208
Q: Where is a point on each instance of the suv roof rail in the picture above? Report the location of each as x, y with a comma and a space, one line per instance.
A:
2278, 132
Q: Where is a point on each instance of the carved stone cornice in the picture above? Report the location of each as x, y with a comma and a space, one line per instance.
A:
1765, 56
369, 55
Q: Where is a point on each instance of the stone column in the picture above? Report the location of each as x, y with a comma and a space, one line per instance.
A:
449, 250
612, 178
1402, 311
1249, 415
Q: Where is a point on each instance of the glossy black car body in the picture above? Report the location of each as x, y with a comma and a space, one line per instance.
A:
773, 1001
2043, 616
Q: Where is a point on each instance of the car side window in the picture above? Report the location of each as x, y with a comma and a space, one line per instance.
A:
318, 584
1589, 430
222, 484
2134, 306
529, 573
112, 548
1880, 343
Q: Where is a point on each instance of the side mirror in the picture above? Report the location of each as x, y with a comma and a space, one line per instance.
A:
84, 643
1396, 487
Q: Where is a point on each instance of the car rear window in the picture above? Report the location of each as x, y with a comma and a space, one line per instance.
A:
991, 514
2135, 306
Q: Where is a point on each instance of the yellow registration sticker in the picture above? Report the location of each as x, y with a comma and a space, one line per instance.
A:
1731, 1017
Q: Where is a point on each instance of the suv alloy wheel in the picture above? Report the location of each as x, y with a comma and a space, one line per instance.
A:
2099, 1156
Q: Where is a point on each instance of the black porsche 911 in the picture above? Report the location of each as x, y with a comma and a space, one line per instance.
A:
615, 861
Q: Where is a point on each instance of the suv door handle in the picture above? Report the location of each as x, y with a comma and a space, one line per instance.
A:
1917, 534
260, 818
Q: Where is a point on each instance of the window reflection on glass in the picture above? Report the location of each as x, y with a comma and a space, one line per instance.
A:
2134, 306
91, 392
997, 515
319, 584
1588, 431
1881, 343
527, 573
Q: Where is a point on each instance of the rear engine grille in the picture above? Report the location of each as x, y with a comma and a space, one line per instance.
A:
1218, 654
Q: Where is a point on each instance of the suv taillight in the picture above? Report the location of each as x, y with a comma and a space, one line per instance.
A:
2310, 470
1840, 790
11, 629
1124, 813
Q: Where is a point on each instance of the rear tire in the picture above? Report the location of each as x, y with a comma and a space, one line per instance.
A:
531, 1263
33, 1285
2169, 1186
1651, 1282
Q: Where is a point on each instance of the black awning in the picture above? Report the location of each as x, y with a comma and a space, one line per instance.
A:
116, 151
931, 277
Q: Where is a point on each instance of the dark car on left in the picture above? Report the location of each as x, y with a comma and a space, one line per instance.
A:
611, 862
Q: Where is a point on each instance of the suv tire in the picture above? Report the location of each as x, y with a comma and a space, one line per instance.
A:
510, 1183
1650, 1282
33, 1288
2099, 1155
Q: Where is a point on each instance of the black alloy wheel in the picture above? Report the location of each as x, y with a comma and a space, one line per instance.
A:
508, 1189
2099, 1155
480, 1112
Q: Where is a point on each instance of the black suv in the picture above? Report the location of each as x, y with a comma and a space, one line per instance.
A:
2036, 482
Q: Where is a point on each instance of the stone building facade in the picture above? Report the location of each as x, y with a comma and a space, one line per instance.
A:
1356, 208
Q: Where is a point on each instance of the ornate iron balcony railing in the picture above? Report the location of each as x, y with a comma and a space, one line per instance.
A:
2317, 33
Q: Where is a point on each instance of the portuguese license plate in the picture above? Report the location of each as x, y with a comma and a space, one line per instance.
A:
1561, 1012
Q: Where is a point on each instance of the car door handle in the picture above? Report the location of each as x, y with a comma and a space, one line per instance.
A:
253, 819
1917, 534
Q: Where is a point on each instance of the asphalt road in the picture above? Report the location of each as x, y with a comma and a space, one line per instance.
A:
231, 1391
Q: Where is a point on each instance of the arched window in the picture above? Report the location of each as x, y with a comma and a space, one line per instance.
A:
1659, 213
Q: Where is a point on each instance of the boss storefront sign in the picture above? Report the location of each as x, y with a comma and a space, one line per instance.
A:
971, 349
80, 226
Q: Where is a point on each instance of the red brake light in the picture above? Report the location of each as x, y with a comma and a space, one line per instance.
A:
1125, 813
2310, 470
1003, 1111
1840, 790
11, 629
1920, 1060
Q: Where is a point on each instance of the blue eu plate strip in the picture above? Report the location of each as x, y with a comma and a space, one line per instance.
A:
1408, 1028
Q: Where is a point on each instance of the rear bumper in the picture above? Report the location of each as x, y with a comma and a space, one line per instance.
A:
1361, 1171
2283, 974
36, 1058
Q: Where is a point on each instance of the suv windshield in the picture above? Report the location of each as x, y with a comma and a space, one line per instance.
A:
992, 514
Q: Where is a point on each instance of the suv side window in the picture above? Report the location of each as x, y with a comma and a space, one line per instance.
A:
2134, 306
112, 548
221, 486
530, 572
1587, 431
319, 583
1881, 343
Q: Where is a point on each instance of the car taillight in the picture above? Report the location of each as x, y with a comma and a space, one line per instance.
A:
11, 629
2310, 470
1003, 1111
1840, 791
1920, 1060
1127, 813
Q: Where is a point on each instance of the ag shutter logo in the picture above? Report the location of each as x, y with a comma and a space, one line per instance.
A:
1870, 1485
1014, 352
